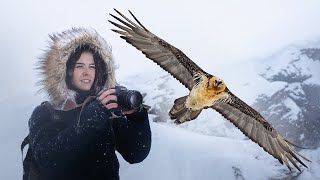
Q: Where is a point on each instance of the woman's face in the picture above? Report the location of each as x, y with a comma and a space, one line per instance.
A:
84, 72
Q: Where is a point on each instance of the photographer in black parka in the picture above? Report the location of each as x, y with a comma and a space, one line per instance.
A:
80, 142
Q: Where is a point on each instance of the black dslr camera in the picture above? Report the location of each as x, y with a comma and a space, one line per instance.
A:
127, 99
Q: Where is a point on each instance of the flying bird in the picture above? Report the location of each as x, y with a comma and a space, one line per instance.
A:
206, 91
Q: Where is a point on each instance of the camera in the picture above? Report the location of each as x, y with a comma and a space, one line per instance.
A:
127, 99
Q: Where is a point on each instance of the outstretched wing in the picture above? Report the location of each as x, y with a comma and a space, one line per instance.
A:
253, 125
159, 51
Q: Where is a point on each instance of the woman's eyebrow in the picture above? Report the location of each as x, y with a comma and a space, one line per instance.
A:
80, 63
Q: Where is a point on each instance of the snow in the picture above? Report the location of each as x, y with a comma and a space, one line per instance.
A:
278, 61
274, 87
294, 112
313, 68
313, 171
179, 154
296, 91
291, 63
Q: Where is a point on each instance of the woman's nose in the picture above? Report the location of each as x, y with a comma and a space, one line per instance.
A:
86, 71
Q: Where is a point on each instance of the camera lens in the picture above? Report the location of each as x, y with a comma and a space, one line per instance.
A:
134, 99
128, 99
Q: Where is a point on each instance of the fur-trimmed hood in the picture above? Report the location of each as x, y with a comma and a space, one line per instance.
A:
53, 62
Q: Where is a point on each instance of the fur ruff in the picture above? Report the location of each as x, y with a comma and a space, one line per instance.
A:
52, 63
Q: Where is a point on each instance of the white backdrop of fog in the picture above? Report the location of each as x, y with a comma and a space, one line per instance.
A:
223, 31
226, 32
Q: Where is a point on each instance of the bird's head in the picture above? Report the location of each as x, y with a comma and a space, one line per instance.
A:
216, 84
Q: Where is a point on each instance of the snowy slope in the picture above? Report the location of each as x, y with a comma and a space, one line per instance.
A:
180, 154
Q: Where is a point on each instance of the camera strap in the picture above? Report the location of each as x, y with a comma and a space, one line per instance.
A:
116, 115
90, 98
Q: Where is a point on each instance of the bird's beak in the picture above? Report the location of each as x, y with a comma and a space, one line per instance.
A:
217, 83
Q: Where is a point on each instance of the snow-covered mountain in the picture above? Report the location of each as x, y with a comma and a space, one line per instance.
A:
294, 109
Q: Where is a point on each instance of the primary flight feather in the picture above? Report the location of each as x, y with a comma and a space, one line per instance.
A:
206, 91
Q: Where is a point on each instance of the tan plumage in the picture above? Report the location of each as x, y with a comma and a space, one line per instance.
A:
206, 91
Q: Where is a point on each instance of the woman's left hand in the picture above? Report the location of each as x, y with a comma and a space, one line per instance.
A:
129, 111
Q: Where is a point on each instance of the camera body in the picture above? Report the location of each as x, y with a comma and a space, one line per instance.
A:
127, 99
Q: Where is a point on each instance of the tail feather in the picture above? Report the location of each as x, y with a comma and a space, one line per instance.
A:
178, 107
180, 113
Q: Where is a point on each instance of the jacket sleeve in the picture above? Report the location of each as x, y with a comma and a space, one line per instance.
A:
133, 136
56, 144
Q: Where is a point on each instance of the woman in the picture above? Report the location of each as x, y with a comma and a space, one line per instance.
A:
79, 65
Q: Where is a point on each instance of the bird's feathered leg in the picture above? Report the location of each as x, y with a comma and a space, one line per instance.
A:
180, 113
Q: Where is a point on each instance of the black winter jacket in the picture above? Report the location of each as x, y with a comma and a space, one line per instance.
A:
64, 150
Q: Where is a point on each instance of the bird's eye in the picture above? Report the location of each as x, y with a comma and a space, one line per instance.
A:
216, 84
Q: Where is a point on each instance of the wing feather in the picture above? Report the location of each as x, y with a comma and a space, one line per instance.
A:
253, 125
159, 51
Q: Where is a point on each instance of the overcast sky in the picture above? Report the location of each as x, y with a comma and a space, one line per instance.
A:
206, 30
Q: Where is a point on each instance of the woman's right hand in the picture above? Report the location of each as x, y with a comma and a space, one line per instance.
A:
106, 96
